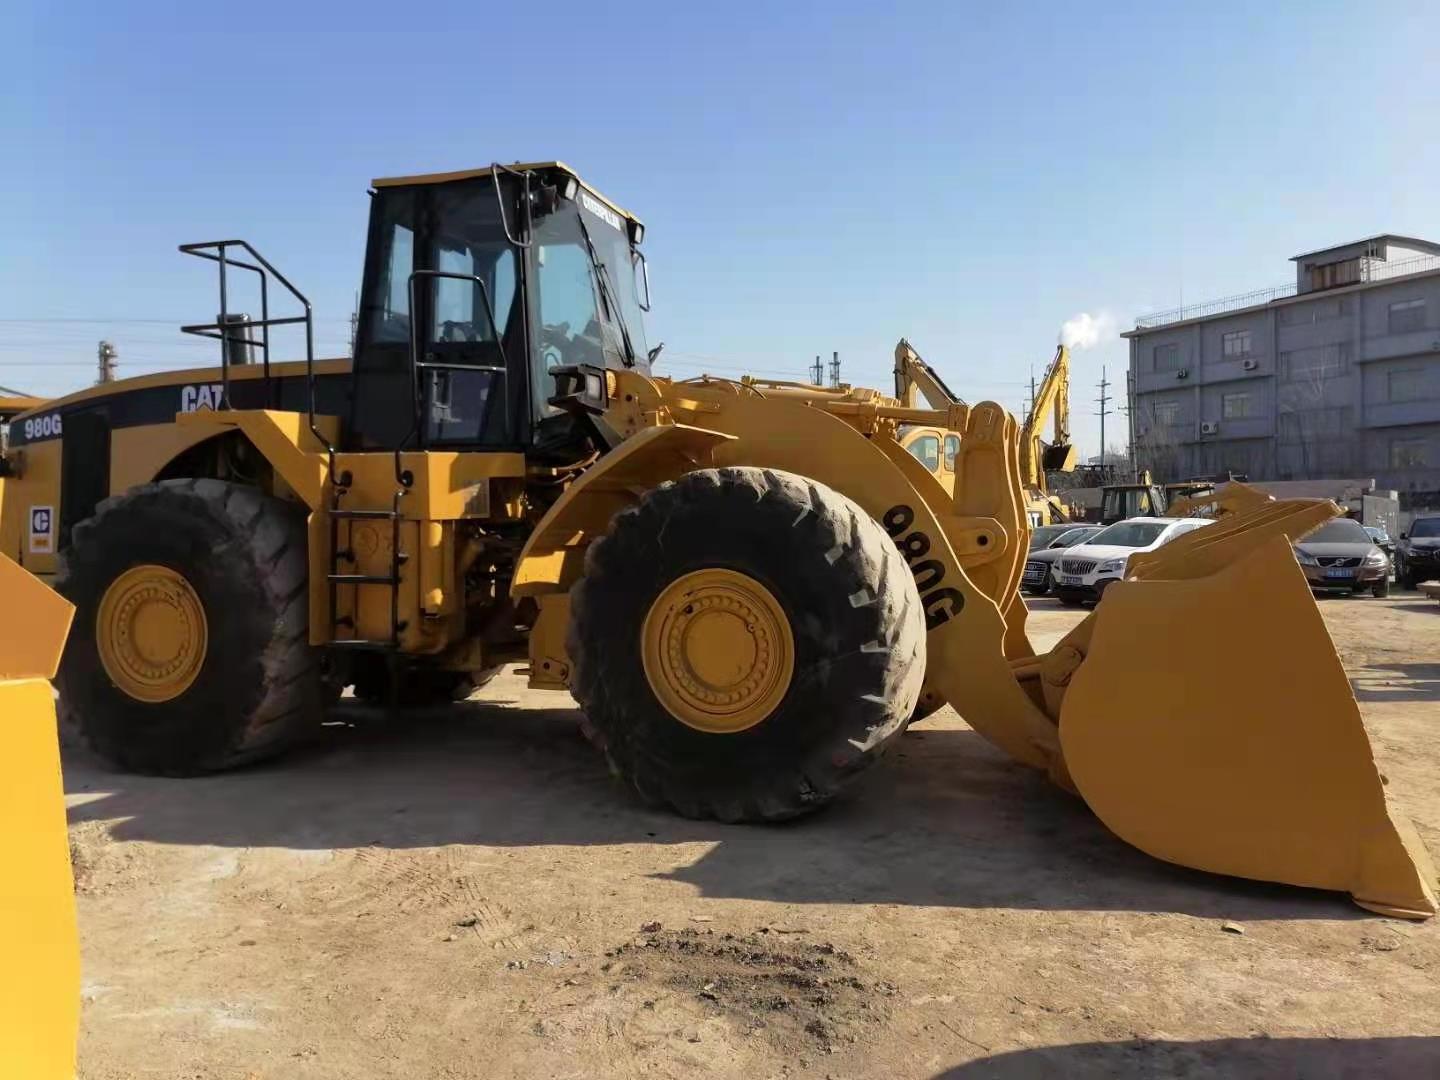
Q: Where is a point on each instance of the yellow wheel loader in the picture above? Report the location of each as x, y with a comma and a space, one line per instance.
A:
750, 587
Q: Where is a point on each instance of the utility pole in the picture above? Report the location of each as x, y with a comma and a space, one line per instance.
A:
106, 355
1031, 407
1130, 423
817, 372
835, 369
1103, 400
354, 324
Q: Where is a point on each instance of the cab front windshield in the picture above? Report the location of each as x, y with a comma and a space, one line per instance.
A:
1130, 534
589, 309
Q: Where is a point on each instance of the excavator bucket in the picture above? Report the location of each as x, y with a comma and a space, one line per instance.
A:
40, 1000
1211, 724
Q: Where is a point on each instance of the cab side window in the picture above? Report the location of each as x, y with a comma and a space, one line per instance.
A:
952, 447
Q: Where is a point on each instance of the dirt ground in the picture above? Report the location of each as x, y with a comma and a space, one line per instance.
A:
469, 894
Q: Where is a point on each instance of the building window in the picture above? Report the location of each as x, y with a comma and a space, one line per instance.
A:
1314, 364
1407, 384
1235, 344
1407, 315
1314, 311
1167, 357
1236, 406
1407, 453
1166, 412
1305, 425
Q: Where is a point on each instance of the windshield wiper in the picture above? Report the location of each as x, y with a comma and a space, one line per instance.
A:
602, 275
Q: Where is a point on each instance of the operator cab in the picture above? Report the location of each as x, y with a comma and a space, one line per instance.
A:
1122, 501
477, 286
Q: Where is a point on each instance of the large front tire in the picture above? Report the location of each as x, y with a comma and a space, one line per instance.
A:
745, 643
190, 648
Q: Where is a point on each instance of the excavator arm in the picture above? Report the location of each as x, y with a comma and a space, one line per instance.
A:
1053, 397
913, 376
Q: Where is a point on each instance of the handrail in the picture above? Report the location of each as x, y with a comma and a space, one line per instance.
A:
223, 330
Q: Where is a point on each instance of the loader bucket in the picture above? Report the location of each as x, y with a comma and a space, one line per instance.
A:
40, 995
1211, 724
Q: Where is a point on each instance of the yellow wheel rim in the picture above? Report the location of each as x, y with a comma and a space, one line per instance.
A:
718, 651
151, 633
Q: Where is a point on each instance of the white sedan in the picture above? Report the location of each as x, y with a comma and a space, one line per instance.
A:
1083, 572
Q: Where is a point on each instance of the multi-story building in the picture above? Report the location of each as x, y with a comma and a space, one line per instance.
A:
1337, 375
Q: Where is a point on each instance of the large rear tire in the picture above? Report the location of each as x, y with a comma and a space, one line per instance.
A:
190, 648
745, 643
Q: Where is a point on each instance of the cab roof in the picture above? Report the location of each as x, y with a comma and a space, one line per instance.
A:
519, 166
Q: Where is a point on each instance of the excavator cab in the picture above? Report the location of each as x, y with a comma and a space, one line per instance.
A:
1121, 501
477, 287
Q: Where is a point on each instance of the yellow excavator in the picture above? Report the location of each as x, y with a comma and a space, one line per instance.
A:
1037, 457
751, 588
936, 448
933, 446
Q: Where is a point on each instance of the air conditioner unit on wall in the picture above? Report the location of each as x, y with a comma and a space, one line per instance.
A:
1251, 364
1209, 427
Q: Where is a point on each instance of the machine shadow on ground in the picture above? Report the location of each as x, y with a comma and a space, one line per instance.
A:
1396, 682
1232, 1059
946, 820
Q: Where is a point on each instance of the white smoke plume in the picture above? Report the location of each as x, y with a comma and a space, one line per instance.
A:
1085, 331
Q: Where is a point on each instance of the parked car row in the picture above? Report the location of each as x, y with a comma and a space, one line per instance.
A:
1076, 563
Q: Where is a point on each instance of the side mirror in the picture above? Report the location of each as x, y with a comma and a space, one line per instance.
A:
1405, 536
644, 277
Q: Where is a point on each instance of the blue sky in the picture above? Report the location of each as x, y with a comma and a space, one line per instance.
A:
813, 176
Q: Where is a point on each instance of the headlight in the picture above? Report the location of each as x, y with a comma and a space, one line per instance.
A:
1376, 558
1112, 566
1305, 559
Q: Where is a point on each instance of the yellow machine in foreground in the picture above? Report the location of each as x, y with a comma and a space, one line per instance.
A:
749, 587
40, 1000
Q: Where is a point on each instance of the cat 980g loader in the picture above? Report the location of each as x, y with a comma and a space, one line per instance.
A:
749, 587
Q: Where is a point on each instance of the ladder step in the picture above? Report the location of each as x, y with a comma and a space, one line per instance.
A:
360, 643
363, 579
389, 515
